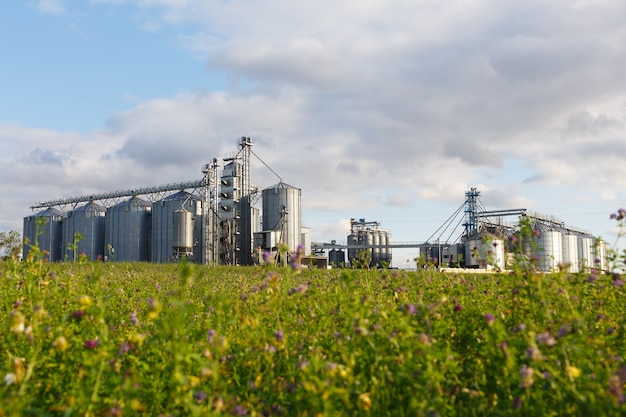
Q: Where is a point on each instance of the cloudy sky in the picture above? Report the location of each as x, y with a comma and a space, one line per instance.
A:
387, 110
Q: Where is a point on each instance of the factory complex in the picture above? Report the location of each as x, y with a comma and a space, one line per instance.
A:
216, 221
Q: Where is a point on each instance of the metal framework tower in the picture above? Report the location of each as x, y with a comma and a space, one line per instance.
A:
471, 212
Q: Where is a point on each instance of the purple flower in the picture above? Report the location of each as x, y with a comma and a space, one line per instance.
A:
279, 336
267, 257
546, 339
520, 327
457, 307
240, 410
133, 319
200, 396
78, 314
526, 376
91, 344
210, 335
490, 318
411, 309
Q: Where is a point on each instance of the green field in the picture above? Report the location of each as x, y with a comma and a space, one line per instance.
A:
116, 339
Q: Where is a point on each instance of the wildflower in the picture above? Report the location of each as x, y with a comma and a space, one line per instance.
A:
200, 396
78, 314
85, 300
133, 319
411, 309
365, 401
517, 403
360, 330
615, 388
210, 335
520, 327
279, 336
457, 307
546, 339
267, 257
17, 321
10, 378
533, 353
91, 344
60, 344
526, 376
154, 308
240, 410
490, 318
572, 371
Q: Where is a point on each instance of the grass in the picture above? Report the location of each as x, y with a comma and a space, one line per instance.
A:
91, 338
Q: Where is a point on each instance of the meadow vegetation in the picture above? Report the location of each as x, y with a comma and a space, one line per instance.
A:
94, 338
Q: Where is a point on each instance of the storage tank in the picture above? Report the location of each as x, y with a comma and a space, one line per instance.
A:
128, 230
600, 254
375, 247
570, 251
282, 212
169, 235
353, 240
183, 231
485, 251
88, 220
337, 257
549, 250
585, 254
48, 235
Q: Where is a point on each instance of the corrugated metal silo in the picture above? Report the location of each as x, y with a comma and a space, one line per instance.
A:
570, 251
337, 257
375, 234
352, 241
282, 212
128, 230
585, 254
164, 236
485, 251
549, 250
88, 220
48, 236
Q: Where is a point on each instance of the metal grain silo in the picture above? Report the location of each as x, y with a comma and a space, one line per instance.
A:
549, 250
352, 240
127, 230
48, 235
88, 221
585, 252
169, 235
485, 251
282, 212
570, 251
375, 247
337, 257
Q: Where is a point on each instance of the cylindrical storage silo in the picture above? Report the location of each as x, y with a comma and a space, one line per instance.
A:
337, 257
183, 231
375, 234
164, 236
485, 251
600, 254
570, 251
128, 230
549, 250
353, 240
385, 250
83, 231
585, 254
282, 212
45, 230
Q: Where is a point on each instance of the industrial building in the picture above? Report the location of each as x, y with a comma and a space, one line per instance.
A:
210, 221
216, 221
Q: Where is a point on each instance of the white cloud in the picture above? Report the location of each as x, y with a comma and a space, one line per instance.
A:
55, 7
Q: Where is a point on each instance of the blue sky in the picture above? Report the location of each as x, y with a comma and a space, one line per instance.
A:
384, 110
